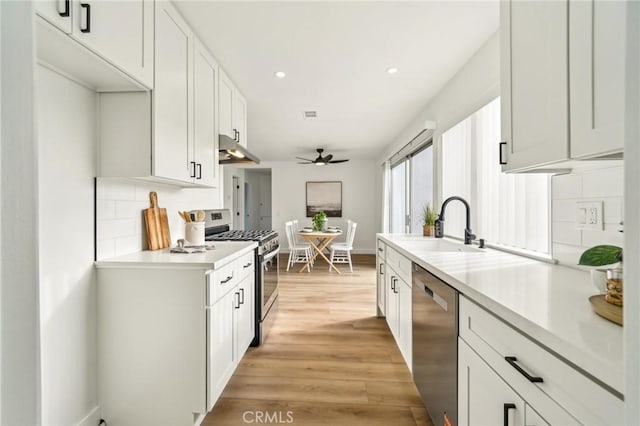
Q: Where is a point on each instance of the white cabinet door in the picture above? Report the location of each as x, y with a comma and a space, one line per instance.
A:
392, 302
120, 31
240, 117
172, 103
484, 399
204, 154
596, 75
225, 105
57, 12
380, 284
404, 321
531, 418
534, 72
221, 351
245, 316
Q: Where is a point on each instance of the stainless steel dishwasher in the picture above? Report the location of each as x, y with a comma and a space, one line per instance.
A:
435, 345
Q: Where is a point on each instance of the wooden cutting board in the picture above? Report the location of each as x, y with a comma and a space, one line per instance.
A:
157, 224
605, 309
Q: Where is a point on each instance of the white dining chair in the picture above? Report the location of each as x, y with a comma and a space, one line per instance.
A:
341, 252
298, 252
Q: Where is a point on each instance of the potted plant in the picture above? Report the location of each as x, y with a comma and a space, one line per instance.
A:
609, 279
429, 217
320, 221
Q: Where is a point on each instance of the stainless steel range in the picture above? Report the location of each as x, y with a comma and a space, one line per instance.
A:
217, 228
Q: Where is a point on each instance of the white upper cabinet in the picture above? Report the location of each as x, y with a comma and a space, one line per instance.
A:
534, 67
172, 95
205, 144
596, 76
119, 31
562, 82
233, 111
58, 12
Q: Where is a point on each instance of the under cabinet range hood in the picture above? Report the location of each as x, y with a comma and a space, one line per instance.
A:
231, 152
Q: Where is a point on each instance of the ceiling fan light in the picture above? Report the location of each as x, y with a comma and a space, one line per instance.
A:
235, 153
320, 163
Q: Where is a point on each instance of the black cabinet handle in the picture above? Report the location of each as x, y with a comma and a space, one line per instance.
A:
226, 280
393, 282
395, 287
512, 360
87, 28
246, 266
65, 13
193, 168
237, 301
502, 160
381, 271
235, 135
199, 166
505, 413
242, 296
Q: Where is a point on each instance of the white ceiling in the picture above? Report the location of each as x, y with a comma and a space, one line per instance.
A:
335, 55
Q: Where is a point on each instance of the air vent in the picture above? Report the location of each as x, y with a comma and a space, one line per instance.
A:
309, 115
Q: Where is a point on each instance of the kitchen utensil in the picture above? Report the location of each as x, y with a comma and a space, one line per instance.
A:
200, 215
157, 224
605, 309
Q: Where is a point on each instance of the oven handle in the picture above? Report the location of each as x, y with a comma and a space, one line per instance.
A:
270, 255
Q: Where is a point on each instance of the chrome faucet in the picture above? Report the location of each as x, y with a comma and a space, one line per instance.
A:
439, 225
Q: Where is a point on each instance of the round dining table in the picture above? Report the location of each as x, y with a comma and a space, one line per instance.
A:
319, 240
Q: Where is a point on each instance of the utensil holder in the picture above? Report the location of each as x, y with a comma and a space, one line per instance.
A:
194, 233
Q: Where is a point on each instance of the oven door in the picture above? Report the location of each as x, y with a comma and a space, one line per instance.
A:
269, 281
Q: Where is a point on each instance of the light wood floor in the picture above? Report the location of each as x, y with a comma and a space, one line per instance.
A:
328, 359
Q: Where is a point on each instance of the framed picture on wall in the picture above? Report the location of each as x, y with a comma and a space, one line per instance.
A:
326, 197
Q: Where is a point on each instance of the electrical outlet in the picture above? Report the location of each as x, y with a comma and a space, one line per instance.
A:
589, 215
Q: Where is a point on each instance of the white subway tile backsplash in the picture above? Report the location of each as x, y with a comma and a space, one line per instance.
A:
566, 233
587, 185
120, 222
566, 186
603, 183
564, 210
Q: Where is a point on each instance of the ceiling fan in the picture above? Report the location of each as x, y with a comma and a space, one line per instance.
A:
321, 161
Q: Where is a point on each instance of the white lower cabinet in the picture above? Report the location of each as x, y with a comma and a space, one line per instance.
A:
169, 339
484, 398
499, 365
380, 279
398, 314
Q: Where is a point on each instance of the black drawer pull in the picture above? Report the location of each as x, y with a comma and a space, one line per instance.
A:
242, 296
505, 413
226, 280
381, 271
193, 168
380, 249
87, 28
65, 13
502, 160
512, 360
237, 300
247, 265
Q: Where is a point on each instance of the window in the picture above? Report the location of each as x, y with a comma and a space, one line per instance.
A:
411, 189
507, 209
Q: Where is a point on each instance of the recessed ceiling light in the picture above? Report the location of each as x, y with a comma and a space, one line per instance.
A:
280, 74
392, 70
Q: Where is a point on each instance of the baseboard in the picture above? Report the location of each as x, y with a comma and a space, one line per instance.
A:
91, 419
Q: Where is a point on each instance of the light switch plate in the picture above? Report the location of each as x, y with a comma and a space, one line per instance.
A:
589, 215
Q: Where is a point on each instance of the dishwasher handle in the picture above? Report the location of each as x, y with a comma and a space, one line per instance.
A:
428, 291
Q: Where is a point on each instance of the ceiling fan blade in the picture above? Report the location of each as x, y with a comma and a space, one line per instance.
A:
337, 161
308, 162
305, 159
328, 158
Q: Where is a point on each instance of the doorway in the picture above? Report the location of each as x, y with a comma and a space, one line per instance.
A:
258, 199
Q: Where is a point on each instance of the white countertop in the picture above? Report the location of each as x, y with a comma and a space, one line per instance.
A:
223, 252
549, 303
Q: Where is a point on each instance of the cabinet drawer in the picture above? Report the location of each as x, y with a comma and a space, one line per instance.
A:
564, 396
221, 281
382, 250
245, 265
400, 264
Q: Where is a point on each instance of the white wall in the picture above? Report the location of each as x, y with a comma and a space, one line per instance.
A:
67, 166
604, 184
20, 404
360, 196
120, 223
